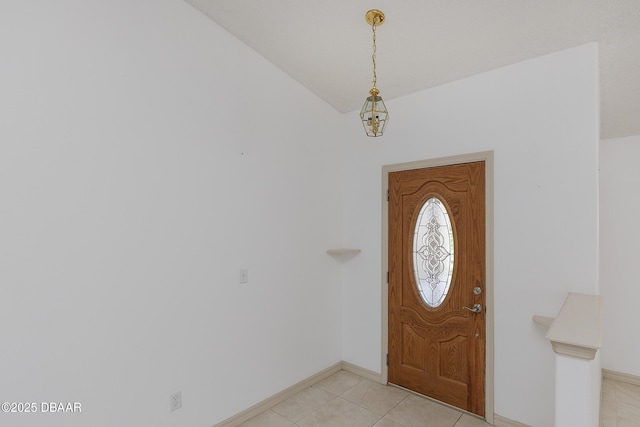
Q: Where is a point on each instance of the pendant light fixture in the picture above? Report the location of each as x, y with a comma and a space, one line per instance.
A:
374, 114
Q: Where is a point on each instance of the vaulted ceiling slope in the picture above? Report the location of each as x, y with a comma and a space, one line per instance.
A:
326, 46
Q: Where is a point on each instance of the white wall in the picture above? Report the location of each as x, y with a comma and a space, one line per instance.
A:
578, 383
541, 119
139, 172
146, 155
619, 252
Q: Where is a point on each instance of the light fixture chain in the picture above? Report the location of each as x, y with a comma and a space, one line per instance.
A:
373, 56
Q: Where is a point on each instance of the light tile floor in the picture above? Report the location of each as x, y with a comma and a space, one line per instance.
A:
348, 400
620, 405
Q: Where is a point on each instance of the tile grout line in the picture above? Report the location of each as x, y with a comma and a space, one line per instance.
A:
363, 407
333, 396
360, 401
457, 421
394, 406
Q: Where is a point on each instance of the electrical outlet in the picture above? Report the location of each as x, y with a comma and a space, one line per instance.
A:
244, 276
175, 401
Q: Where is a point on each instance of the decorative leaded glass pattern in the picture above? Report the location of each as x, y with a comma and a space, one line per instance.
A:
433, 252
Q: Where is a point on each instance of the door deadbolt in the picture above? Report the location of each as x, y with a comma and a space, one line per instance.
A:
477, 290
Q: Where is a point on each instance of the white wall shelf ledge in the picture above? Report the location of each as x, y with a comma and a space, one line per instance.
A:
544, 321
576, 331
344, 251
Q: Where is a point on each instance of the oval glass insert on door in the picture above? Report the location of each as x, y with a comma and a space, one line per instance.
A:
433, 252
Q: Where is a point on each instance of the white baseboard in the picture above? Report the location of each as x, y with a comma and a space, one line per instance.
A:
363, 372
500, 421
277, 398
620, 376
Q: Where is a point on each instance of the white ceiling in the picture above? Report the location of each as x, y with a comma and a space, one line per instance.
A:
326, 46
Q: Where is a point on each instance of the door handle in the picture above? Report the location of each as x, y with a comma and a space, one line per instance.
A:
477, 308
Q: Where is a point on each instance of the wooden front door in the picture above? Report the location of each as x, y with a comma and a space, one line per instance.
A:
436, 269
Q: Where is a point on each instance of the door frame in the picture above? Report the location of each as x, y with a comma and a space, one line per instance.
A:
487, 157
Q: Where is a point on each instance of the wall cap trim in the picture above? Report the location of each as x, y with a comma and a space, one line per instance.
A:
577, 330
